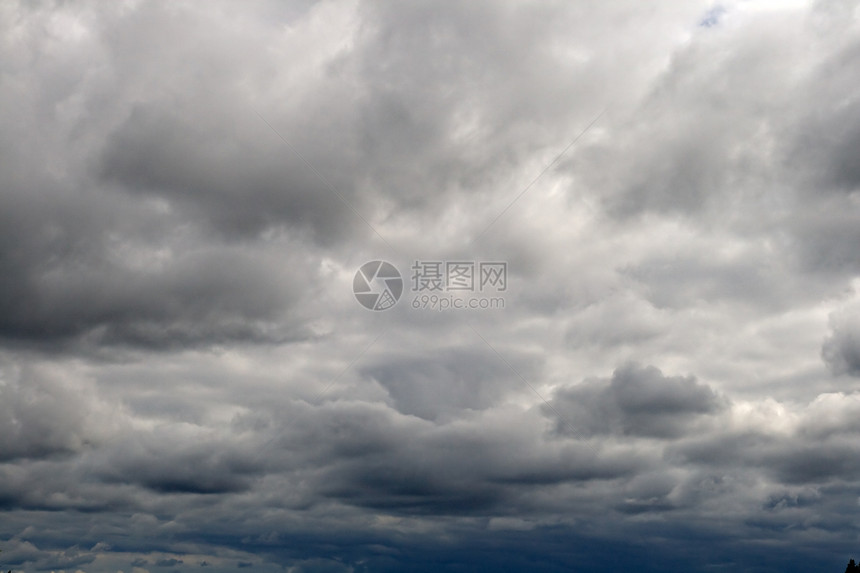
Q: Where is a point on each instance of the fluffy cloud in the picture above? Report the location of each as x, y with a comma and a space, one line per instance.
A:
636, 401
841, 350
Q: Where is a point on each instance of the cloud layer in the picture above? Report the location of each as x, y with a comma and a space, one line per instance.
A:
187, 382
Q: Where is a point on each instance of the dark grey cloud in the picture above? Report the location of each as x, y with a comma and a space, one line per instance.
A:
122, 259
636, 401
43, 415
186, 468
841, 350
201, 297
211, 173
824, 142
448, 383
89, 268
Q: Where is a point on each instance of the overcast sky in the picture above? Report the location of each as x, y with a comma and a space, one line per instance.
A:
187, 380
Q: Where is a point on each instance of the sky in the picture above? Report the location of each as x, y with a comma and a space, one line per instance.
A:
625, 329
